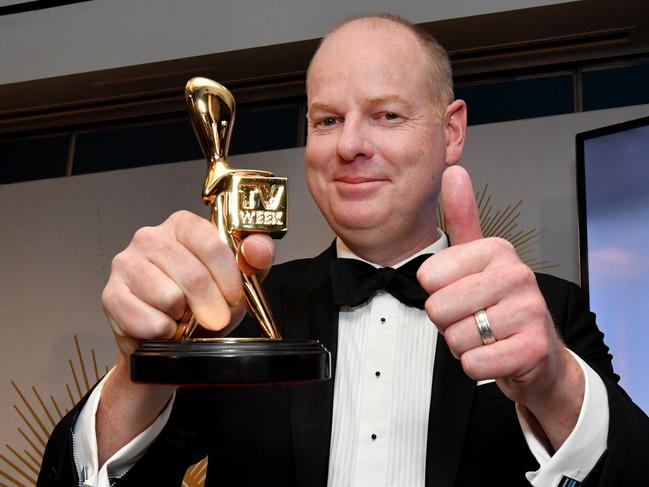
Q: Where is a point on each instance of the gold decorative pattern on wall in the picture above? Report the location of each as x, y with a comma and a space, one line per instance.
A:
503, 223
38, 416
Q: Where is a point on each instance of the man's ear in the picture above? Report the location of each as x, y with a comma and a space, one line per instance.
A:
455, 131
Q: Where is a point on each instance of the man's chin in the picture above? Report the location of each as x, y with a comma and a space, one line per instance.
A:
358, 224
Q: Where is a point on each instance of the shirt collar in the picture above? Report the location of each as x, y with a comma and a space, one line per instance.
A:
344, 252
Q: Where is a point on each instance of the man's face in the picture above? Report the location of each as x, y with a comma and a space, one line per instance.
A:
376, 143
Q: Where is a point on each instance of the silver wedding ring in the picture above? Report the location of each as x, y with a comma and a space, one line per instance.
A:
484, 328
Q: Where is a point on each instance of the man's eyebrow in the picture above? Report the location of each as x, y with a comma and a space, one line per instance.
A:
320, 106
377, 100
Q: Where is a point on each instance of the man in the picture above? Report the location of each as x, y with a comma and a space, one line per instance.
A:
383, 128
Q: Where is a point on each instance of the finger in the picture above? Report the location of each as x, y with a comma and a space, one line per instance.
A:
129, 316
460, 210
149, 284
466, 295
206, 293
463, 335
455, 263
517, 358
460, 299
201, 240
203, 268
255, 255
259, 251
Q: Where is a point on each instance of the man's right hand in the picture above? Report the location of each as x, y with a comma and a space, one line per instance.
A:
178, 264
164, 270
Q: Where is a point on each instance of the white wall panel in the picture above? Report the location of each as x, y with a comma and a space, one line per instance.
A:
104, 34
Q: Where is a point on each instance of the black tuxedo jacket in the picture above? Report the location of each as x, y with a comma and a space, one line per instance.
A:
280, 435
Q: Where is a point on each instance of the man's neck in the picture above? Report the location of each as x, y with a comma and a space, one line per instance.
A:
379, 256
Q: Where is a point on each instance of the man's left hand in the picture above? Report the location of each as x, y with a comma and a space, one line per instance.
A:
528, 360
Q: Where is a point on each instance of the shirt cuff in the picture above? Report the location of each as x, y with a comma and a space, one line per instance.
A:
85, 443
585, 444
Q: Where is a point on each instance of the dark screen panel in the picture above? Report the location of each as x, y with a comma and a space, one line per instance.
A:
162, 143
127, 147
33, 158
518, 99
264, 130
616, 87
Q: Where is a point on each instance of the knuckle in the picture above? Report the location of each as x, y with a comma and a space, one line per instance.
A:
179, 216
520, 274
182, 221
122, 262
527, 275
517, 276
145, 326
531, 309
498, 245
109, 296
143, 237
156, 328
503, 244
214, 246
197, 279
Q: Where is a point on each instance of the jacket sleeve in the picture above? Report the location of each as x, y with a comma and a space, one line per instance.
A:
180, 444
58, 466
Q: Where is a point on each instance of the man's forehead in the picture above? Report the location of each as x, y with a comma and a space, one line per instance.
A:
366, 41
365, 32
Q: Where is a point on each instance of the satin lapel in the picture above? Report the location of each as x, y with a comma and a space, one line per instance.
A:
311, 313
450, 408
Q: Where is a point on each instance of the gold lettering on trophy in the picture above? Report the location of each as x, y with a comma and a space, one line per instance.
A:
261, 217
260, 195
259, 204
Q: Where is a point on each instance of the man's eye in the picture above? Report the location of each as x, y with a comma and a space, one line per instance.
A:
390, 116
328, 121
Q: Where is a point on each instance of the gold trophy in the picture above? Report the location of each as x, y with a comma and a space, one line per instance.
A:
242, 201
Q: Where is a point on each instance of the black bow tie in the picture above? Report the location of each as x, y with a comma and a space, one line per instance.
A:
355, 281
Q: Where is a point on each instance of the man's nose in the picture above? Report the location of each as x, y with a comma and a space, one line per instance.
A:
354, 140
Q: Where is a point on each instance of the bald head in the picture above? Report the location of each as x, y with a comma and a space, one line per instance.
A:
432, 53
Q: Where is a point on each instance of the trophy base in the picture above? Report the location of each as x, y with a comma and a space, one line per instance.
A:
230, 361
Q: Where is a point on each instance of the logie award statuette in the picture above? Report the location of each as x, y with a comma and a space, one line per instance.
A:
242, 201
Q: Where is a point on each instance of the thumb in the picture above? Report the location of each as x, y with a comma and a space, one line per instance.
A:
256, 255
460, 210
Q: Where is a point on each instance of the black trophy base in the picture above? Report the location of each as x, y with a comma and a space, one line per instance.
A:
230, 361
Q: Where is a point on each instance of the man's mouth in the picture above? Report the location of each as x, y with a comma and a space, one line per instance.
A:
358, 186
358, 179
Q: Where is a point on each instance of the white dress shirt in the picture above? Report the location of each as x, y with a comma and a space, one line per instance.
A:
382, 393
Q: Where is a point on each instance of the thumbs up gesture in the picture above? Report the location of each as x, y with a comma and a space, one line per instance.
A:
524, 353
